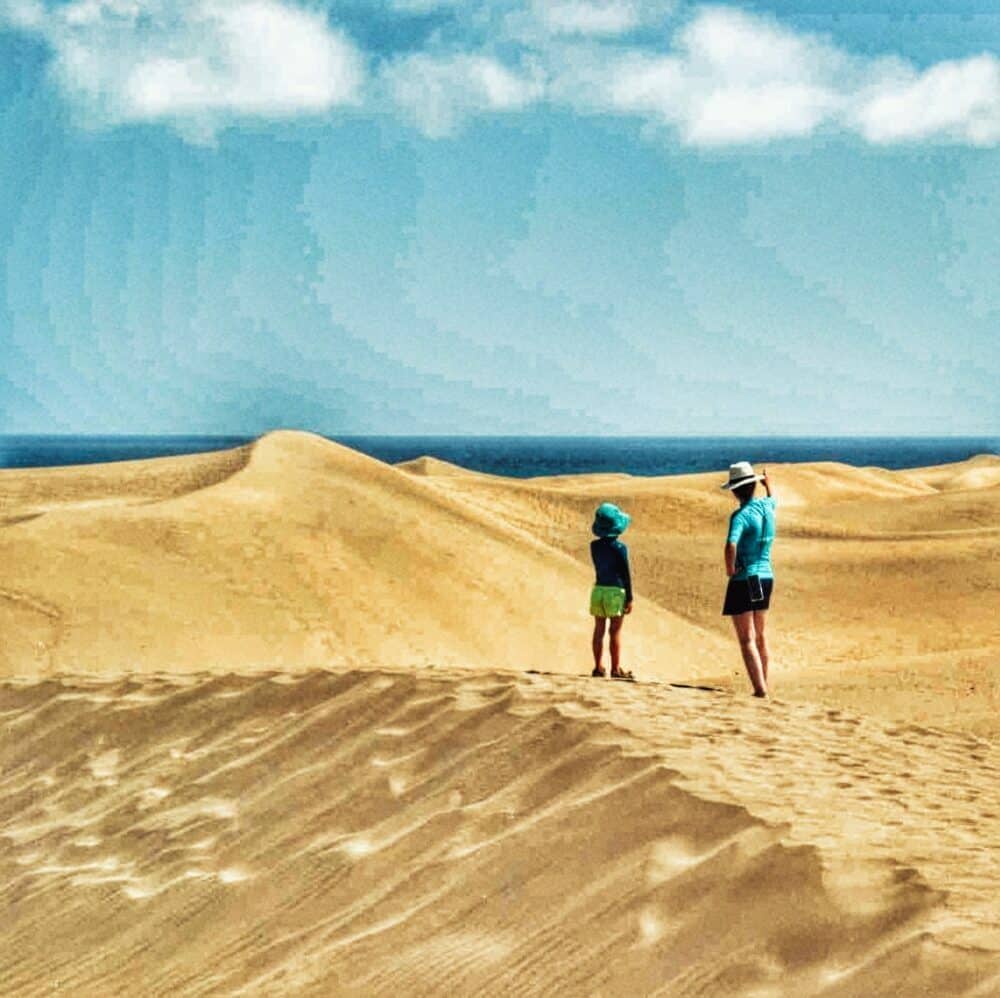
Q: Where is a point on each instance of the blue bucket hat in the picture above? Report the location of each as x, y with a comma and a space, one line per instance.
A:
609, 520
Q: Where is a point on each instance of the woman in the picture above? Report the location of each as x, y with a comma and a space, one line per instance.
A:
611, 597
748, 565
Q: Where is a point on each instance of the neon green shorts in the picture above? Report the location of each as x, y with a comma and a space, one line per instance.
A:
607, 601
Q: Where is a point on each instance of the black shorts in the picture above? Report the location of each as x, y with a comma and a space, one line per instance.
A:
738, 597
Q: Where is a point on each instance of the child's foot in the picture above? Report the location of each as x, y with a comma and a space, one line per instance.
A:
598, 671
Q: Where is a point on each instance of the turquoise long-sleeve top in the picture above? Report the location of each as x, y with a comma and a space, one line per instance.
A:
752, 529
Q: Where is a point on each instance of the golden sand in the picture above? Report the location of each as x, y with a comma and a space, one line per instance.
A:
277, 721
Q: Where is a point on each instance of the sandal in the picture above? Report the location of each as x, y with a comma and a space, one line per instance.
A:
598, 671
626, 676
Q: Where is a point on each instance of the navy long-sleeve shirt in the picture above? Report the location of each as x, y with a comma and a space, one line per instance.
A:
610, 559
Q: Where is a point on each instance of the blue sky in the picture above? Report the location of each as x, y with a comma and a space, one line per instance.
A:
630, 216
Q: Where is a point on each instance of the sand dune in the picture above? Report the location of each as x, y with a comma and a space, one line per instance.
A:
292, 553
981, 471
875, 569
268, 728
29, 492
387, 833
427, 465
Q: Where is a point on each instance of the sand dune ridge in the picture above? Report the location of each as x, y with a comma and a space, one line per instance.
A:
379, 832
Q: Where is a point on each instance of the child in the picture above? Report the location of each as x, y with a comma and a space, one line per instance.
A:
611, 597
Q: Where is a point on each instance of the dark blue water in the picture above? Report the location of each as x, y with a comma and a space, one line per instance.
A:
30, 451
523, 457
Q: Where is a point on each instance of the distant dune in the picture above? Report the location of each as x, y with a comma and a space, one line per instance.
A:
433, 466
290, 553
288, 720
877, 570
980, 472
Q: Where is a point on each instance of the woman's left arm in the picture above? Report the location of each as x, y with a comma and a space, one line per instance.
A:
732, 538
730, 554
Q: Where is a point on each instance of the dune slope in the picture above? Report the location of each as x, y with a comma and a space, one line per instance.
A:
887, 581
388, 833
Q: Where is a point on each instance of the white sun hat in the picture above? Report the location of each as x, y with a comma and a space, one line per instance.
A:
741, 473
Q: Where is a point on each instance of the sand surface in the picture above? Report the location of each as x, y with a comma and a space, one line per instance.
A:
888, 582
287, 720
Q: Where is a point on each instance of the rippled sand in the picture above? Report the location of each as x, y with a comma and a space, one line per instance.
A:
286, 720
386, 833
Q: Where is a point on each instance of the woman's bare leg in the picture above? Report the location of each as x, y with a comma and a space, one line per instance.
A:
616, 644
743, 622
598, 641
763, 653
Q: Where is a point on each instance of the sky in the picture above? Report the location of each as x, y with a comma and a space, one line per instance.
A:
500, 216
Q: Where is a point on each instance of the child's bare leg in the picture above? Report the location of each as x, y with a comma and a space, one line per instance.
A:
763, 653
616, 644
598, 641
743, 622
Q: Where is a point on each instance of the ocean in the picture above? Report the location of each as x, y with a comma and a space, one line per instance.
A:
525, 457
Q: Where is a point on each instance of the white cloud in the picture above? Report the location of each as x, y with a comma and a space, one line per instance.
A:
588, 17
722, 76
90, 12
438, 92
26, 15
756, 114
542, 24
723, 42
734, 78
731, 78
197, 64
957, 100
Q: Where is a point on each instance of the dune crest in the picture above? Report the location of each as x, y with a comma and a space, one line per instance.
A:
29, 492
427, 465
979, 472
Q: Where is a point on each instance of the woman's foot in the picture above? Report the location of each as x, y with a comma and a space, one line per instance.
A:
619, 674
598, 671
